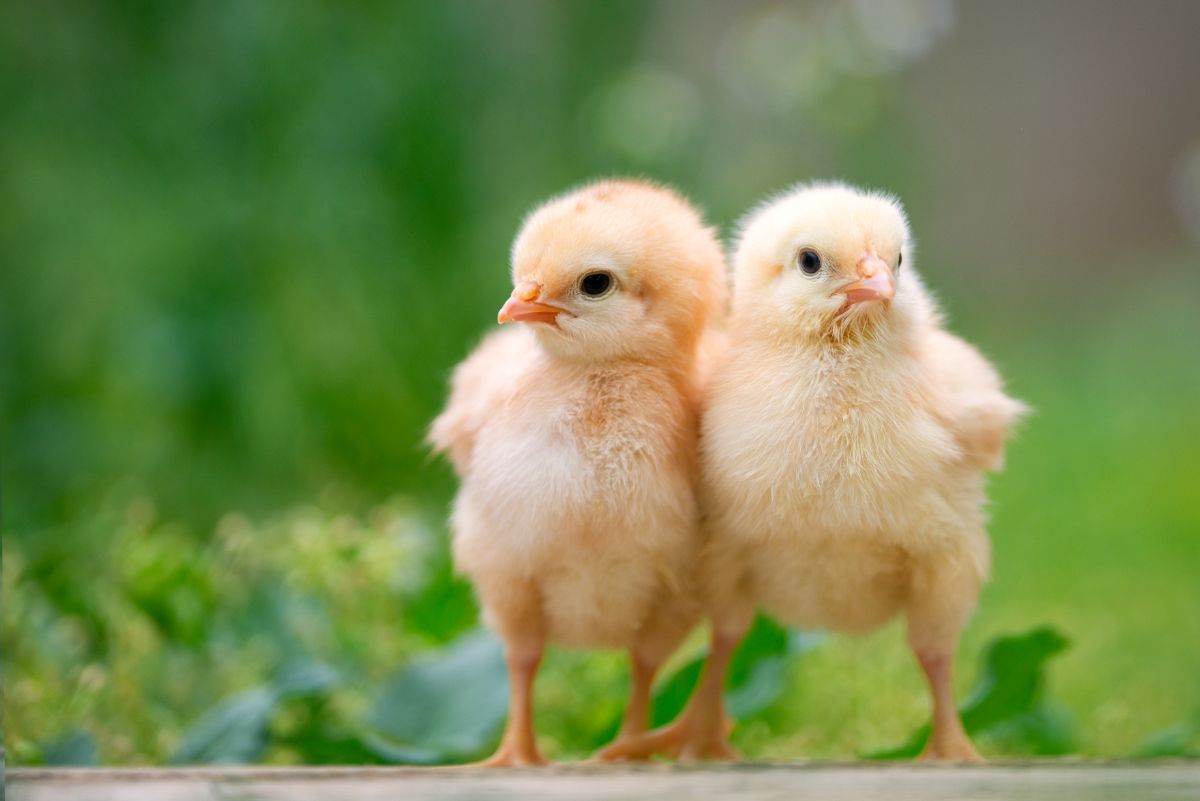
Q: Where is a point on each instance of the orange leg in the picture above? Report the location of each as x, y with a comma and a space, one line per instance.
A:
637, 714
947, 738
660, 635
700, 732
943, 594
518, 746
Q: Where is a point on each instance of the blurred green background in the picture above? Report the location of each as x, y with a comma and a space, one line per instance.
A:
244, 244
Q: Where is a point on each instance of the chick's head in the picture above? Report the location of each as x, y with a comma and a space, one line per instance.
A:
822, 261
616, 269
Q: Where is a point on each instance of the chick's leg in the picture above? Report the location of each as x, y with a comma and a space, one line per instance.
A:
668, 624
943, 596
637, 714
518, 746
518, 620
701, 731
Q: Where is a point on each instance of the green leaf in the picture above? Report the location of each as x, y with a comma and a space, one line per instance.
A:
671, 695
1012, 677
758, 674
238, 729
76, 747
1181, 739
1007, 699
1046, 730
445, 607
234, 731
304, 677
446, 707
387, 751
759, 689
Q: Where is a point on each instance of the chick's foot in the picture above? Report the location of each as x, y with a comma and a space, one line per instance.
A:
954, 748
684, 740
513, 756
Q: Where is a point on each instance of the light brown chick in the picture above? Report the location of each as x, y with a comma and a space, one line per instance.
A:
845, 437
574, 438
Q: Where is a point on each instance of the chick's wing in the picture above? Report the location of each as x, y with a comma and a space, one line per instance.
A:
479, 385
968, 397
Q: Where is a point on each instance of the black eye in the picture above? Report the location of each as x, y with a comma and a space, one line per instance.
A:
899, 261
809, 261
595, 284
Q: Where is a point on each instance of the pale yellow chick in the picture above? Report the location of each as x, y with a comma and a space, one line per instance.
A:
844, 442
574, 437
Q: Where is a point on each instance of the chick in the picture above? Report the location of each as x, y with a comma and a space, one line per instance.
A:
574, 439
844, 441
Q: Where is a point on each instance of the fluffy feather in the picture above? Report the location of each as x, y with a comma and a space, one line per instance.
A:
968, 398
484, 380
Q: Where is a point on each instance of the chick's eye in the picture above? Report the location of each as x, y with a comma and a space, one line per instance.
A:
595, 284
899, 261
809, 261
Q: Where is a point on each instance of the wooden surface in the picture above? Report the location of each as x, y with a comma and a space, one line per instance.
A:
1178, 781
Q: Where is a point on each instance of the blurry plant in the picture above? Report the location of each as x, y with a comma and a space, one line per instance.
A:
444, 708
1180, 740
75, 748
237, 729
1007, 704
447, 706
306, 608
299, 624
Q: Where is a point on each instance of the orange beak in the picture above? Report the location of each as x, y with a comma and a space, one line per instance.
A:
875, 282
523, 307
